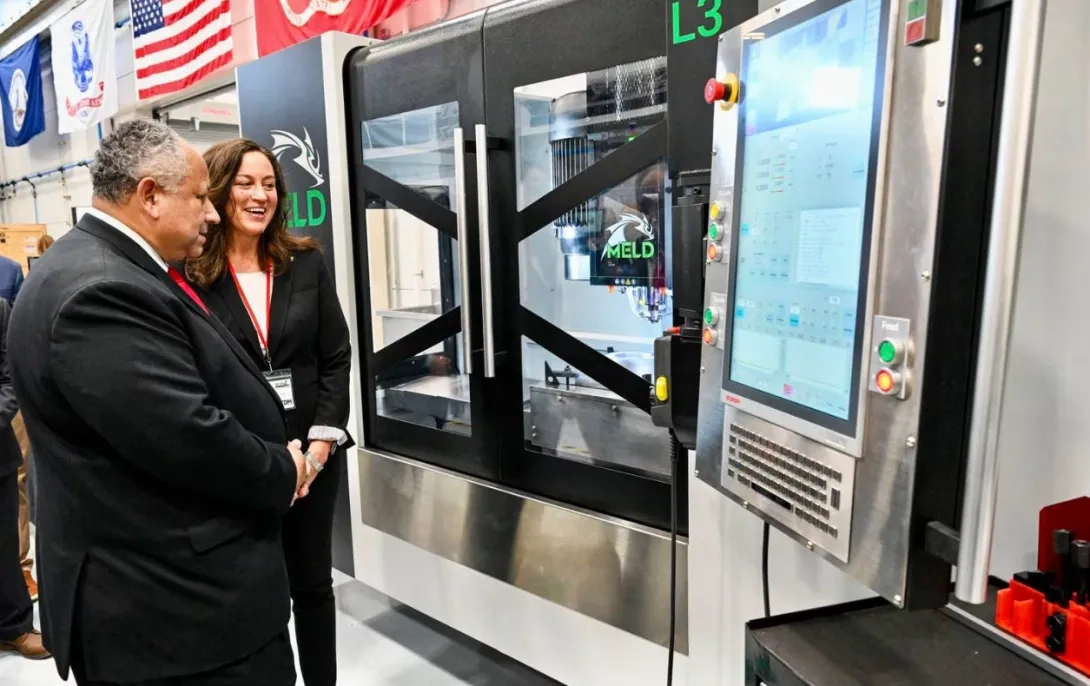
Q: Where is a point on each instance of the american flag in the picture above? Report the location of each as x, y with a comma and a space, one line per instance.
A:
178, 42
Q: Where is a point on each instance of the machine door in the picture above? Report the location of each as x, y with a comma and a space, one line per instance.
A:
411, 120
576, 185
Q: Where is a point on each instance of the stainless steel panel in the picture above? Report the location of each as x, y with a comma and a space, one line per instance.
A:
597, 426
910, 161
614, 571
463, 246
484, 228
803, 485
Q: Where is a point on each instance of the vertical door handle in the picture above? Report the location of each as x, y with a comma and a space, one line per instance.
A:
484, 234
463, 246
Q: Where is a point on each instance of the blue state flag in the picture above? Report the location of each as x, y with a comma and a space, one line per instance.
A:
21, 95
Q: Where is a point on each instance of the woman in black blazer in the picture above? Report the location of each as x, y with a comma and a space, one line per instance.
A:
274, 293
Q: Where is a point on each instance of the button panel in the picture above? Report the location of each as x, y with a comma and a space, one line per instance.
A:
891, 357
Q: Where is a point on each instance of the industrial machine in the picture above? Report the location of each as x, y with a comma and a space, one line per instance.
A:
852, 164
517, 263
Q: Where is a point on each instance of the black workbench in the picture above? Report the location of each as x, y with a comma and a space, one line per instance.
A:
872, 643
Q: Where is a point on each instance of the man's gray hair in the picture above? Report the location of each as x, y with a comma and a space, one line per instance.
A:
138, 149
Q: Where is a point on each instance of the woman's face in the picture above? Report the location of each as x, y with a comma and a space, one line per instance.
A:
253, 195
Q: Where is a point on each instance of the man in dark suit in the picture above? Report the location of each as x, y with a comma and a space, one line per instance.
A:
16, 608
159, 447
11, 279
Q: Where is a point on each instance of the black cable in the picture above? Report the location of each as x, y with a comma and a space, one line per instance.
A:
764, 569
675, 450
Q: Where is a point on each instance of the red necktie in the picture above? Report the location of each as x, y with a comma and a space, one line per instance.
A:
184, 285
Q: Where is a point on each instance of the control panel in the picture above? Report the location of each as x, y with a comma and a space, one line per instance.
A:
811, 370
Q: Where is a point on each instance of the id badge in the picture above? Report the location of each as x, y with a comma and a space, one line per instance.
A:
280, 380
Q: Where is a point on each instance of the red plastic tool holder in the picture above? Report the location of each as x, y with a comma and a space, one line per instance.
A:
1022, 611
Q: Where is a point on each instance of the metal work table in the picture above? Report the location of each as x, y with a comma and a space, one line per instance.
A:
871, 642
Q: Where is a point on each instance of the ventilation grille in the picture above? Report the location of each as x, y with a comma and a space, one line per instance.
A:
807, 488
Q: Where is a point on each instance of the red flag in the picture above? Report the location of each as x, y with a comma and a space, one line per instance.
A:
280, 23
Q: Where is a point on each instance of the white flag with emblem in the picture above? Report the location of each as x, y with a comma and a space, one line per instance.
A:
84, 71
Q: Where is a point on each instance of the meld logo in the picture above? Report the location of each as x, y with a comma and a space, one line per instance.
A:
620, 244
302, 152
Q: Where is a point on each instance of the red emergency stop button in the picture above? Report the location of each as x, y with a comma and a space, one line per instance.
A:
724, 92
714, 91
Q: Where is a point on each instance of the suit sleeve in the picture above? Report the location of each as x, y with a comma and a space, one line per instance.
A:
126, 365
334, 355
16, 285
9, 406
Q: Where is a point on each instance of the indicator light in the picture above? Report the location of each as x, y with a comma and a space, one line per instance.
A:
890, 351
716, 210
887, 381
661, 390
714, 232
714, 253
710, 336
711, 316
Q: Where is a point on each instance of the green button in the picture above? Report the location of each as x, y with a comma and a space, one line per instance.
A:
708, 316
714, 231
887, 351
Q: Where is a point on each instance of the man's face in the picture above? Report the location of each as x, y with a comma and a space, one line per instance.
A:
184, 215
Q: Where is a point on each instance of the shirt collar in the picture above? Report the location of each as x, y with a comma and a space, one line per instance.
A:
130, 234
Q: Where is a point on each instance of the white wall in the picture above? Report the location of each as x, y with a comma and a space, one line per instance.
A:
51, 150
1042, 447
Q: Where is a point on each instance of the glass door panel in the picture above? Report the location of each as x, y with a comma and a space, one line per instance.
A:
577, 113
415, 271
411, 118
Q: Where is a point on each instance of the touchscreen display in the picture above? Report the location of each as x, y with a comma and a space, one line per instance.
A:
807, 145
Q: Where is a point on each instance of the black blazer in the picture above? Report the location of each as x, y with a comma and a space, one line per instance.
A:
161, 465
10, 455
307, 334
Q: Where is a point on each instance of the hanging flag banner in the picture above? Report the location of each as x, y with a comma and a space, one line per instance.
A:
280, 23
84, 71
21, 94
176, 43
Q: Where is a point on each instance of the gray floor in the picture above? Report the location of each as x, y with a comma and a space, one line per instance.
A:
378, 642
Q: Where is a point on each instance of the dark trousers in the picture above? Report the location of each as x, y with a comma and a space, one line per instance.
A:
308, 549
273, 665
16, 609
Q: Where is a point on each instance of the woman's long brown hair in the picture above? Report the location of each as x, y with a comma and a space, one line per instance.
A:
276, 245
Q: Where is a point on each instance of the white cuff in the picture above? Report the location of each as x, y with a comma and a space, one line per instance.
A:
327, 433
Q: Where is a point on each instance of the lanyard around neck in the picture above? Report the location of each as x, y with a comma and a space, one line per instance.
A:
262, 335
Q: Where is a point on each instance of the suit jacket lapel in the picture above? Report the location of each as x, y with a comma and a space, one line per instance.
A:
134, 252
226, 290
281, 297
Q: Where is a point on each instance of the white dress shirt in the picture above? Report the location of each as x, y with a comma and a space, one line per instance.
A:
130, 234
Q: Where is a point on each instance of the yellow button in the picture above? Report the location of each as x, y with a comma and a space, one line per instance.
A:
660, 389
716, 210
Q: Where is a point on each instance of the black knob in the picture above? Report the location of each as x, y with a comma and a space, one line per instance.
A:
1061, 541
1055, 644
1081, 554
1057, 623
